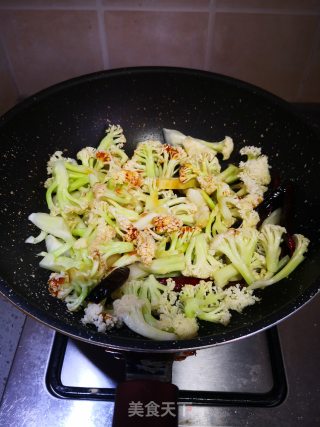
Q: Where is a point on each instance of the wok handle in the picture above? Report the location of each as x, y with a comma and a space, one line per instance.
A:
147, 397
145, 403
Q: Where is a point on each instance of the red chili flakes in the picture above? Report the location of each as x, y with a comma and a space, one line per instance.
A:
103, 156
54, 284
134, 178
172, 151
131, 234
166, 223
186, 229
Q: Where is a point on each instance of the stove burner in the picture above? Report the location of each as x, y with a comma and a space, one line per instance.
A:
82, 371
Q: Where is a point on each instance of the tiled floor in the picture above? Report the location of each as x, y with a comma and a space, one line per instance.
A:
11, 324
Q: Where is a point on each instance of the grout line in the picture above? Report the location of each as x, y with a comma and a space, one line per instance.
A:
212, 15
224, 9
10, 67
44, 7
268, 11
151, 8
117, 7
307, 69
103, 36
38, 8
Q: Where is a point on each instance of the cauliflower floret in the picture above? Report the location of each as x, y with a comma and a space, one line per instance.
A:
48, 182
59, 285
98, 190
258, 265
174, 152
99, 208
58, 156
184, 327
131, 232
118, 176
206, 302
257, 169
132, 310
133, 177
186, 172
167, 223
146, 247
114, 138
94, 314
203, 213
122, 305
171, 284
252, 186
237, 299
249, 218
199, 262
227, 147
86, 154
224, 316
120, 139
254, 172
251, 151
193, 147
209, 183
125, 225
201, 165
249, 202
104, 233
103, 156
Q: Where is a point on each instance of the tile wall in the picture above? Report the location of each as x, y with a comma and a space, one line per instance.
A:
274, 44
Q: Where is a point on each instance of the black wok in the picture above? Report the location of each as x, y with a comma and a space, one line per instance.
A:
75, 113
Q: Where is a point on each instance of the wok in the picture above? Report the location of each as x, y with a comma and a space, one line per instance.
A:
76, 113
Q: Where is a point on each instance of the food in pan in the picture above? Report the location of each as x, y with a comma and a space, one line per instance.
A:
172, 209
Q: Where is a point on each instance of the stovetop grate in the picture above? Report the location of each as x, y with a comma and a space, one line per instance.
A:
272, 397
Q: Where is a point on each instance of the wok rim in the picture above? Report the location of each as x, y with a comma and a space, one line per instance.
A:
161, 346
143, 344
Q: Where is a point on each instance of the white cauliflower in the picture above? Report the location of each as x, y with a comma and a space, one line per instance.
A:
58, 156
256, 166
167, 224
250, 151
257, 169
209, 183
146, 247
237, 298
95, 314
86, 154
249, 218
103, 234
252, 186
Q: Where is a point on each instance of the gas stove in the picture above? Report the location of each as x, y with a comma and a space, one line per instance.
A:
271, 378
255, 374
